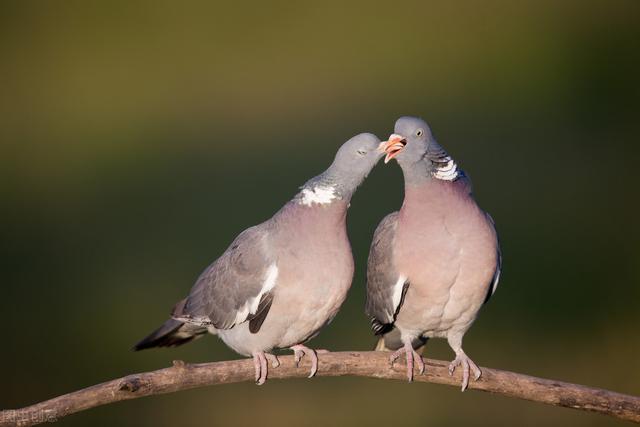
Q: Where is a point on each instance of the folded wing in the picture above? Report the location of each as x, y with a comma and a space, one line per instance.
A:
237, 287
385, 286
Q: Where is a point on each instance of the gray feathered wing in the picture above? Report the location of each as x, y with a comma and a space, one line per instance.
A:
382, 277
237, 287
496, 275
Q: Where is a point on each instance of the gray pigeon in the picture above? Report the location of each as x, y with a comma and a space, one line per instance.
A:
434, 263
281, 281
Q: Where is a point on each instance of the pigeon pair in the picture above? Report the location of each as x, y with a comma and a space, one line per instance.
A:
431, 266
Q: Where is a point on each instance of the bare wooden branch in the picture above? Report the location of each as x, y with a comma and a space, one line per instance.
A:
183, 376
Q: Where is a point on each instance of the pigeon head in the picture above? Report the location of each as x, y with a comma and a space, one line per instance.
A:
357, 156
409, 142
351, 165
418, 153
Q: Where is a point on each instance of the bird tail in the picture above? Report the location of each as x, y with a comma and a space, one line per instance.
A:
172, 333
391, 341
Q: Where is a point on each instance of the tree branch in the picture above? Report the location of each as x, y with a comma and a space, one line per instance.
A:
183, 376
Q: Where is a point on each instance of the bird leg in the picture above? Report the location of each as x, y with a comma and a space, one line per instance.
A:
466, 362
260, 364
299, 351
273, 359
412, 356
455, 341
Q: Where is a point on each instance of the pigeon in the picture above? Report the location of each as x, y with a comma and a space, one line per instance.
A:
281, 281
436, 261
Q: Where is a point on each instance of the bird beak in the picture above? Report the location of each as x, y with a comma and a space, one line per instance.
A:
393, 146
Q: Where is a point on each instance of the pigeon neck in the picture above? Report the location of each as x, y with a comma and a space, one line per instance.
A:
326, 188
435, 164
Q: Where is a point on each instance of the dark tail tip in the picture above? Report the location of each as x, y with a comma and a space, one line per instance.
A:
167, 335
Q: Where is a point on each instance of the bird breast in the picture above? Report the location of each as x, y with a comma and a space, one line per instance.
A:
448, 250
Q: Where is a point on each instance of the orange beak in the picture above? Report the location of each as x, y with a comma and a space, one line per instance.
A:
393, 146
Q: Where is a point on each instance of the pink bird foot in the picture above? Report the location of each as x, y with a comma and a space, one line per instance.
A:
260, 359
273, 359
260, 364
299, 351
412, 356
466, 362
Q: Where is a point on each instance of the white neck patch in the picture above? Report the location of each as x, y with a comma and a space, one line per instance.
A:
320, 195
447, 170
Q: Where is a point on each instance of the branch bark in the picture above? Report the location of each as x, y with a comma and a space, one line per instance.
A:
183, 376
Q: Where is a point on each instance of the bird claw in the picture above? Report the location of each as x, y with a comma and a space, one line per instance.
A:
273, 359
260, 365
299, 351
412, 357
421, 367
394, 356
467, 365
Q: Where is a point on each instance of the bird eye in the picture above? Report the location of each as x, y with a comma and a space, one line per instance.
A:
419, 132
362, 152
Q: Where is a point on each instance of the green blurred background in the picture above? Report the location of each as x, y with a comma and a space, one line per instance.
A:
138, 138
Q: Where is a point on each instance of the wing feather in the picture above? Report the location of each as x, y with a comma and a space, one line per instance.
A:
496, 275
385, 287
237, 287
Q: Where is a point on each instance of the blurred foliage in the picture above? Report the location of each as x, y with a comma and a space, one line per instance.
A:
138, 138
